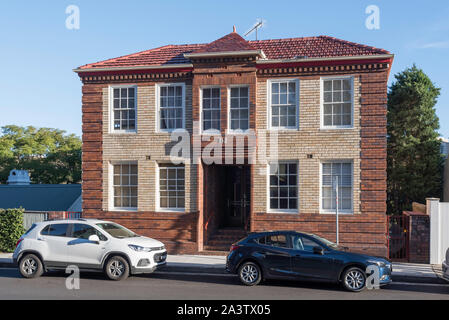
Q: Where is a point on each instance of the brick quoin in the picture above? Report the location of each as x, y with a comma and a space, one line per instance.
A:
187, 232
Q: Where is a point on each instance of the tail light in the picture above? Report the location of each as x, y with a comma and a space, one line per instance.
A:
18, 242
233, 247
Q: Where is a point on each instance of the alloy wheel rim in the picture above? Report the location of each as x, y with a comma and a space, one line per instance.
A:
355, 280
29, 266
116, 268
249, 273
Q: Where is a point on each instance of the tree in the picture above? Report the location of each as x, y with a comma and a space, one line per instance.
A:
414, 160
50, 155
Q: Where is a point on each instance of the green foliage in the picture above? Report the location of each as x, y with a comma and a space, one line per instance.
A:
414, 160
11, 228
50, 155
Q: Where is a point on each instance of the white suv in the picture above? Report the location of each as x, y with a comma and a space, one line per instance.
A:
89, 244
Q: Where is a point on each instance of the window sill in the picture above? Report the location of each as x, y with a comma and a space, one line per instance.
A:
292, 129
336, 128
283, 211
122, 132
339, 212
163, 210
132, 209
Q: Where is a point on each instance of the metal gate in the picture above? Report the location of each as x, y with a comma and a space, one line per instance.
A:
398, 237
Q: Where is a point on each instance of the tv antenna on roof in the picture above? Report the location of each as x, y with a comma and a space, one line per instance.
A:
256, 26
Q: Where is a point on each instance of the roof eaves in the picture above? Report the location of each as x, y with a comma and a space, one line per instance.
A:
336, 58
142, 67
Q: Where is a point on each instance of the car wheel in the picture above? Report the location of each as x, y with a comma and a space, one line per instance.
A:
117, 268
30, 266
354, 279
250, 274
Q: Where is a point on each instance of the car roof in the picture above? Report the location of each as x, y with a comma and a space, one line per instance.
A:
270, 232
70, 221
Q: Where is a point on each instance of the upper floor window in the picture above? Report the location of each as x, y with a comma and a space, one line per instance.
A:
124, 108
171, 106
330, 172
239, 108
284, 186
284, 104
125, 186
337, 103
211, 108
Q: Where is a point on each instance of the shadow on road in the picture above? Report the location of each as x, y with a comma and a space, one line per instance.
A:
233, 280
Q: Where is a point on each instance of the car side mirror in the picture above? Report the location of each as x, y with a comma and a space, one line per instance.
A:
318, 250
94, 238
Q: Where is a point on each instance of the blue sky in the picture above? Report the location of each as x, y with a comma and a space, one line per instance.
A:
38, 52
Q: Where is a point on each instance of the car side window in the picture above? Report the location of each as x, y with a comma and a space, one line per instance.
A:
303, 243
55, 230
279, 240
84, 231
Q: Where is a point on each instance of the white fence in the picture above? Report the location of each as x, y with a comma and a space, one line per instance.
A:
439, 229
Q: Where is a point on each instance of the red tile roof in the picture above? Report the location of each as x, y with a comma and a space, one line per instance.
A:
310, 47
228, 43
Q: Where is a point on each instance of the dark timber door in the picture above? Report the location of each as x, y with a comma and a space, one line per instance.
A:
237, 195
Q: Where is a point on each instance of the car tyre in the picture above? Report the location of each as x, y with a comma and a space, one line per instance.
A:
354, 279
250, 273
30, 266
117, 268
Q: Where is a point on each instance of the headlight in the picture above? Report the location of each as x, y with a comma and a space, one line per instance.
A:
139, 248
144, 249
377, 263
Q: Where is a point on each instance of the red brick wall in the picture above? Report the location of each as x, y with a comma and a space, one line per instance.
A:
364, 232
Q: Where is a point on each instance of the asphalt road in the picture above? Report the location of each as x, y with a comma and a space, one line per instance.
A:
197, 287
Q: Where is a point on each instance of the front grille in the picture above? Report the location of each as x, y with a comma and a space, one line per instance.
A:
160, 257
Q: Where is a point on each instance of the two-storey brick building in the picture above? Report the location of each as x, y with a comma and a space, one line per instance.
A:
321, 100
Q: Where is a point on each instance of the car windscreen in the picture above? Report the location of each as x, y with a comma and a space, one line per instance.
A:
116, 230
326, 242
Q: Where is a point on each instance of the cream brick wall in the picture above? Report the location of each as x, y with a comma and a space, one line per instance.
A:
123, 147
309, 139
293, 145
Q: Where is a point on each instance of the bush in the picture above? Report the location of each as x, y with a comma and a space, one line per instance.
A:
11, 228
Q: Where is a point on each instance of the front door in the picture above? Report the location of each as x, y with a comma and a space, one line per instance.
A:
307, 264
237, 195
82, 252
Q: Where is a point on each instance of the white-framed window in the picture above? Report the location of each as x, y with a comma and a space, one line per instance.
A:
211, 108
337, 102
283, 103
171, 187
238, 117
123, 108
171, 106
343, 169
124, 186
283, 186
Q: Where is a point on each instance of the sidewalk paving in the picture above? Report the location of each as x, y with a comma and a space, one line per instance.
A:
402, 272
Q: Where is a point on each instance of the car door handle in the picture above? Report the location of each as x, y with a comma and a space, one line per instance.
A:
40, 239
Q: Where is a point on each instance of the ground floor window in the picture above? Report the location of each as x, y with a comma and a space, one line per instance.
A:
284, 186
171, 187
125, 185
329, 172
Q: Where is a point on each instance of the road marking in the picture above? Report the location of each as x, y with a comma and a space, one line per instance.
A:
421, 284
196, 273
